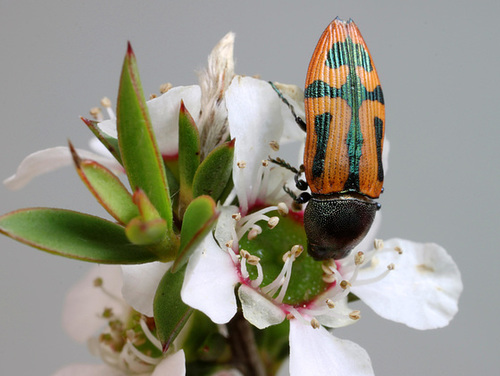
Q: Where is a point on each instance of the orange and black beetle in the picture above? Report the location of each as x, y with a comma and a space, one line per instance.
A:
345, 123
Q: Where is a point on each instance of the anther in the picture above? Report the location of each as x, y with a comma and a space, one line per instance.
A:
286, 256
165, 87
345, 284
96, 113
359, 258
107, 313
282, 209
241, 164
329, 278
236, 216
253, 260
98, 282
378, 244
273, 221
252, 234
297, 250
244, 253
330, 303
274, 145
355, 315
229, 243
106, 102
152, 96
326, 269
265, 162
315, 323
398, 250
390, 266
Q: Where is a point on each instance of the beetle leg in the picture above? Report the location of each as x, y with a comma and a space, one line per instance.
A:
298, 119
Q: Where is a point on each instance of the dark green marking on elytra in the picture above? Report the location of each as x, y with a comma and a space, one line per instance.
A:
322, 130
354, 93
379, 128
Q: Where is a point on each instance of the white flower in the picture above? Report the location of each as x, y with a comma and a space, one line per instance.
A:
96, 303
415, 284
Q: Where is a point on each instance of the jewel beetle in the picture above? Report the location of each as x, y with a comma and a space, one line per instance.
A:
345, 125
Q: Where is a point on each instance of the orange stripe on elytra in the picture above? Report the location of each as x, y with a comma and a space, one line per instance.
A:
368, 163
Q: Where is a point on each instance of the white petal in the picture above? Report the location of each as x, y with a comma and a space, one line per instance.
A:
89, 370
295, 96
258, 310
255, 119
209, 282
317, 352
421, 292
47, 160
85, 303
225, 224
140, 283
164, 113
173, 365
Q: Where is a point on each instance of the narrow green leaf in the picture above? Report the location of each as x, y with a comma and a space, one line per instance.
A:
106, 187
189, 156
170, 312
199, 219
214, 172
138, 147
74, 235
109, 142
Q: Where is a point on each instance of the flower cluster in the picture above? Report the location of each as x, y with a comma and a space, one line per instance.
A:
233, 253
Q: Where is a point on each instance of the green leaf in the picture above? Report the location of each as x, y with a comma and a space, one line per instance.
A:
170, 312
106, 187
138, 147
74, 235
214, 172
144, 232
199, 219
109, 142
189, 156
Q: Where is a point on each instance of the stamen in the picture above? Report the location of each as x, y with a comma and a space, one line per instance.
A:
359, 258
345, 284
106, 103
272, 222
378, 244
241, 164
375, 279
398, 250
236, 216
355, 315
265, 162
274, 145
282, 209
330, 303
315, 323
256, 230
151, 338
260, 276
165, 87
96, 113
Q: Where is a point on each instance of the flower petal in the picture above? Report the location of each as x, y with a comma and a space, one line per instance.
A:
85, 303
421, 292
89, 370
255, 119
48, 160
140, 283
317, 352
164, 113
173, 365
258, 310
209, 282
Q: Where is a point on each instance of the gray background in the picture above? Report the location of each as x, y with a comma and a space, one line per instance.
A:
439, 66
